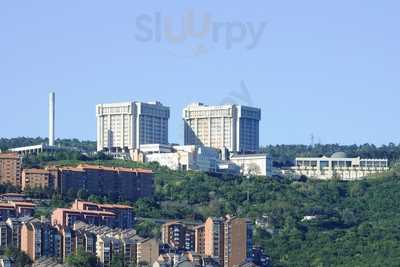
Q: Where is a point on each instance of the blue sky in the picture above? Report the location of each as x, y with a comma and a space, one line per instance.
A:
328, 68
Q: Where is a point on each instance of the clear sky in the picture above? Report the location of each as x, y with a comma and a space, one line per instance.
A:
328, 68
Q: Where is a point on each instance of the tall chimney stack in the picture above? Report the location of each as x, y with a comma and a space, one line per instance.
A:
52, 106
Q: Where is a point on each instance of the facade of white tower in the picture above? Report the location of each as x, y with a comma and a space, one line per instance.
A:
52, 105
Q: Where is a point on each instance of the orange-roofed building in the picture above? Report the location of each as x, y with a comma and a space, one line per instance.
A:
36, 178
10, 169
67, 217
16, 209
124, 214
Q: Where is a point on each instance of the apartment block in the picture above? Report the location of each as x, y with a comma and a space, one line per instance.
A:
147, 252
4, 236
10, 169
115, 183
111, 242
67, 217
200, 245
14, 236
233, 127
16, 209
214, 238
178, 236
238, 241
123, 127
40, 239
36, 178
67, 242
124, 214
84, 240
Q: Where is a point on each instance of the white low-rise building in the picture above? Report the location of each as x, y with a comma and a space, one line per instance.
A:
339, 166
184, 158
205, 159
253, 164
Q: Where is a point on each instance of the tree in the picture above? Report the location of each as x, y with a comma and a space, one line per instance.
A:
21, 259
117, 261
82, 259
82, 194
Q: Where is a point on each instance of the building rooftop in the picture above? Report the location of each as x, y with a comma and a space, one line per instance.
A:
93, 212
13, 205
249, 155
110, 206
115, 169
24, 204
8, 155
339, 155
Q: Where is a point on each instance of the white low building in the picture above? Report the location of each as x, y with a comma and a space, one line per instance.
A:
183, 158
339, 166
253, 164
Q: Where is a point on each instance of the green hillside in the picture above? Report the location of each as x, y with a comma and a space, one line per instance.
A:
356, 224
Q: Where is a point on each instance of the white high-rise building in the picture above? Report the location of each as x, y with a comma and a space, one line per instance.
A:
122, 127
233, 127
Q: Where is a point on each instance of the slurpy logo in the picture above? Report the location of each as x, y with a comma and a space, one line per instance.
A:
198, 31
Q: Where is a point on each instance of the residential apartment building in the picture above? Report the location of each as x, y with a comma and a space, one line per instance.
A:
118, 183
200, 239
122, 127
16, 209
36, 178
40, 239
339, 166
67, 217
10, 169
229, 239
233, 127
109, 242
4, 236
214, 238
124, 214
14, 236
238, 241
178, 235
148, 251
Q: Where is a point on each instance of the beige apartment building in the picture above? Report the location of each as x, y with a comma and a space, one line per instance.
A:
40, 239
36, 178
10, 169
214, 238
233, 127
148, 251
229, 239
200, 245
123, 127
238, 241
